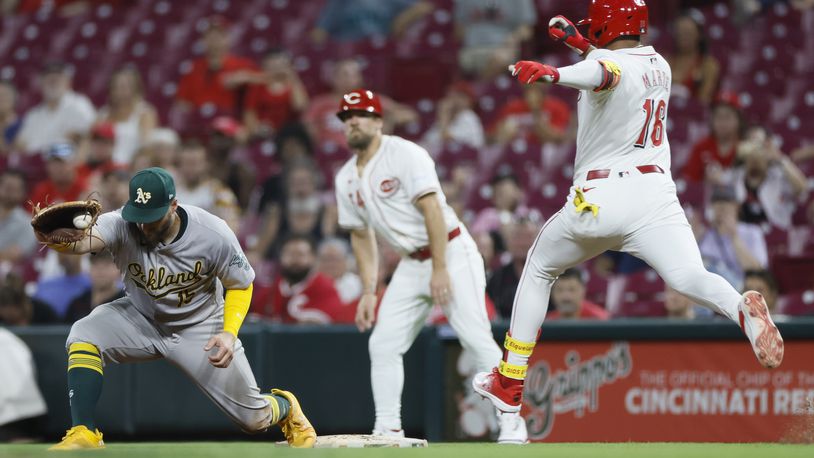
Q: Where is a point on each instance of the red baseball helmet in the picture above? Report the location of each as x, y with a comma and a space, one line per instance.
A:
610, 19
363, 100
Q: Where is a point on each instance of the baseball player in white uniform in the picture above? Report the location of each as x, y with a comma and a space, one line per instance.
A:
623, 197
390, 188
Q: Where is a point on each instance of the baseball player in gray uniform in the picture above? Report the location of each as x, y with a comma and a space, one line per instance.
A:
177, 262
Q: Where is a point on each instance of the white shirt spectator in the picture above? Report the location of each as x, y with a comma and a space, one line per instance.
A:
776, 195
465, 129
128, 134
20, 397
43, 126
719, 253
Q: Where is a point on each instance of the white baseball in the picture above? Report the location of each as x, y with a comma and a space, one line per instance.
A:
511, 69
81, 220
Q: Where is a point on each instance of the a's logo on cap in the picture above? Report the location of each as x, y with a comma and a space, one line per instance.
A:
142, 197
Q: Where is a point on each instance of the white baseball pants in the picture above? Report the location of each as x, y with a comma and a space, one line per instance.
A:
403, 312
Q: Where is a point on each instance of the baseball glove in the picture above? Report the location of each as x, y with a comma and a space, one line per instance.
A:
54, 224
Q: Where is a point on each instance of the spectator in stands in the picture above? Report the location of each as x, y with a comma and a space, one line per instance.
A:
59, 291
62, 116
114, 189
568, 299
293, 145
105, 286
537, 116
9, 121
762, 281
730, 247
712, 157
228, 161
161, 150
334, 259
17, 309
132, 117
217, 77
491, 33
695, 71
320, 118
195, 186
678, 306
99, 157
306, 211
17, 240
301, 294
277, 97
507, 202
22, 417
502, 284
351, 20
64, 182
768, 184
455, 120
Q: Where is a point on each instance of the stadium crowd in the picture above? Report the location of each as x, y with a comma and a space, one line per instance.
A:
249, 132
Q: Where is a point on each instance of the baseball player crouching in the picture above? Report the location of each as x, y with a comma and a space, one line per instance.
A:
177, 262
390, 188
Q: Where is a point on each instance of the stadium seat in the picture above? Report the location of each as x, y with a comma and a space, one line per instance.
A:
798, 303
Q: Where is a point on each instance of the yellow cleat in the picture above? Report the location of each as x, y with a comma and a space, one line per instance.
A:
297, 429
79, 438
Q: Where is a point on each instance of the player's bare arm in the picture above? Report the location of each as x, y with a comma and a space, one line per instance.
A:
440, 284
363, 242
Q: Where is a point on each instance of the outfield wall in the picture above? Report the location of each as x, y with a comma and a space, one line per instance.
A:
614, 381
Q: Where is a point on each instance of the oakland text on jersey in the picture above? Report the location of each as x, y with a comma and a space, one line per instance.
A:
156, 281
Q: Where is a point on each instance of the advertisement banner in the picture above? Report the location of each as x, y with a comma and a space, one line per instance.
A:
698, 391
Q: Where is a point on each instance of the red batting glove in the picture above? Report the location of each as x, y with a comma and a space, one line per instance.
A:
528, 72
563, 30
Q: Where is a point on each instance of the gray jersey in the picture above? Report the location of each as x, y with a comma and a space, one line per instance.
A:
180, 283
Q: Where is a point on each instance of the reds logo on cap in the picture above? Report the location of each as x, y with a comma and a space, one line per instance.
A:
360, 100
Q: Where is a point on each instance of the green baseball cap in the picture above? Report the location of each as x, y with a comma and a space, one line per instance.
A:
151, 193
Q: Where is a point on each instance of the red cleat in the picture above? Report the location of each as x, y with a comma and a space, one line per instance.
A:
758, 326
506, 394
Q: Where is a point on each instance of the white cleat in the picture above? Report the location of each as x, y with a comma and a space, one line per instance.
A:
512, 429
758, 326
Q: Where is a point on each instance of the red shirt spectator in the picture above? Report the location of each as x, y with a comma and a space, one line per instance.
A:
204, 84
704, 153
589, 311
64, 183
313, 300
516, 118
568, 299
719, 149
215, 77
274, 109
301, 294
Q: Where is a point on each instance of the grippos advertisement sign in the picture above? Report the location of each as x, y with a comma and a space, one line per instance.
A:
648, 391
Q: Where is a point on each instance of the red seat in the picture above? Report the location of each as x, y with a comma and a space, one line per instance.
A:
797, 303
793, 273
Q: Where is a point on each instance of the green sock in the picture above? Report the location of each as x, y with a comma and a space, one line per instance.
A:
84, 384
283, 407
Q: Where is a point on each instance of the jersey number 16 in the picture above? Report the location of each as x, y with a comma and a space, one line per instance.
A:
650, 108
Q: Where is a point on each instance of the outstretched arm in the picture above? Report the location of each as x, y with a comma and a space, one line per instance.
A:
588, 75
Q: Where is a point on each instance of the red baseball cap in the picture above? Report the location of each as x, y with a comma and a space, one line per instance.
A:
363, 100
104, 130
226, 126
